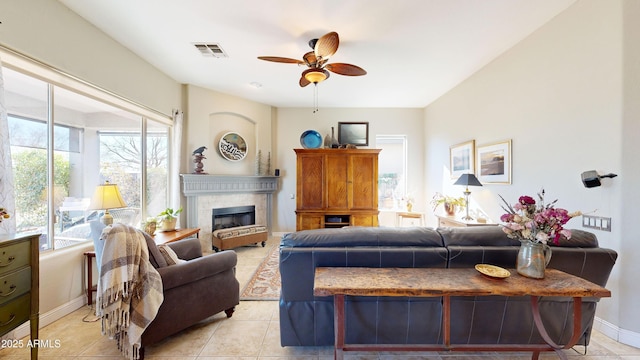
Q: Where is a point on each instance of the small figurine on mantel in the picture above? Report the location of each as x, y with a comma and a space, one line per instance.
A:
197, 159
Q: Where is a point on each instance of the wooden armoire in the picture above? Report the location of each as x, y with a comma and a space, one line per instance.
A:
336, 188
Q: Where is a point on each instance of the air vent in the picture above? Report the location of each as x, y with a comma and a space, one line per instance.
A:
211, 50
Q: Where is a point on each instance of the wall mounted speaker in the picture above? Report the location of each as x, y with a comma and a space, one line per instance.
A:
592, 179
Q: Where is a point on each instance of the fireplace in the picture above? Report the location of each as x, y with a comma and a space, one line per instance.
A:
206, 192
228, 217
236, 226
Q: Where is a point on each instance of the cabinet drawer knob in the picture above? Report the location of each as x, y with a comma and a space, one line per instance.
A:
9, 261
11, 318
12, 289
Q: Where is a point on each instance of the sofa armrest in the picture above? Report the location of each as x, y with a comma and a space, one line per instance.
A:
187, 249
198, 268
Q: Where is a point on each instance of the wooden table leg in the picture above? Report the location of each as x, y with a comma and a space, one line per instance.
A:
90, 255
446, 320
338, 326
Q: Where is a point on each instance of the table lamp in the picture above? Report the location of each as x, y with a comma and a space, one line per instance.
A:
466, 180
107, 196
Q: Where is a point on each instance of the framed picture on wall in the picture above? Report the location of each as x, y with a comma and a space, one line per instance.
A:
494, 163
356, 133
462, 158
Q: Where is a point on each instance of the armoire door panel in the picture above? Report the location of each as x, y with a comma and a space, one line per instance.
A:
310, 181
337, 167
365, 189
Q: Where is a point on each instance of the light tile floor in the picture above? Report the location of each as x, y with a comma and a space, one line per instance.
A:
252, 333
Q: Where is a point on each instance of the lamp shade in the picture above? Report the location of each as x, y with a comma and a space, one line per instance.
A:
468, 180
107, 196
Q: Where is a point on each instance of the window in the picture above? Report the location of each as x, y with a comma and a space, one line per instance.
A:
392, 171
157, 160
63, 144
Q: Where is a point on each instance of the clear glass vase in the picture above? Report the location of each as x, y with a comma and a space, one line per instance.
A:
533, 259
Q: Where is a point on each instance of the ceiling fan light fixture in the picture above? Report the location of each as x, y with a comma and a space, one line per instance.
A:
315, 75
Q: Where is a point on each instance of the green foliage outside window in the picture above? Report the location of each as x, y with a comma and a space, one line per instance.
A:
30, 177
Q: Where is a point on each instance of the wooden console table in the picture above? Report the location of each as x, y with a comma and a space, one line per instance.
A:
424, 282
160, 237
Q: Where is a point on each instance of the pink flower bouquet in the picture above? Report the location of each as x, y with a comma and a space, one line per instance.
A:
536, 222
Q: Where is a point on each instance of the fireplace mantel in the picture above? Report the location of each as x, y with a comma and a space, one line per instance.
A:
195, 185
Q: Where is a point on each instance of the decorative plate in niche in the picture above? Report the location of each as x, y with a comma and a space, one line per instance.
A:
232, 147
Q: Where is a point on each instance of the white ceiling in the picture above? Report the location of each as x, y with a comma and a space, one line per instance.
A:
413, 50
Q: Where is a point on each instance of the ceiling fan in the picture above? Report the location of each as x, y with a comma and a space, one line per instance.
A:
316, 61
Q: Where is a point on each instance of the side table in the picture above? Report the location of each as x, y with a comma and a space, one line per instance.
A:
401, 215
163, 237
90, 255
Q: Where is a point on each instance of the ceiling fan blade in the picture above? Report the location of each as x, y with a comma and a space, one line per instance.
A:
303, 81
345, 69
281, 60
327, 45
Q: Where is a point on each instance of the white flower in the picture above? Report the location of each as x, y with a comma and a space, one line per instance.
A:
542, 237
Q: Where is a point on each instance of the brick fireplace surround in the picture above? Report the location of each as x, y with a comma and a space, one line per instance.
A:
204, 192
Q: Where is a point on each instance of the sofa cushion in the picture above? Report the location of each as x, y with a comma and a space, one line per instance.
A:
579, 238
476, 236
155, 257
169, 255
494, 236
363, 236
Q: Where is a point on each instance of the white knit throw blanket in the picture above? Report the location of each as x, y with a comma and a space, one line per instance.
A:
129, 289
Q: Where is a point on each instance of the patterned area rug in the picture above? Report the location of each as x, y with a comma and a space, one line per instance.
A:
265, 282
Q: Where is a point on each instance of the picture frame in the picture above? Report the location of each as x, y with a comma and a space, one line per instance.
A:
462, 158
355, 133
493, 162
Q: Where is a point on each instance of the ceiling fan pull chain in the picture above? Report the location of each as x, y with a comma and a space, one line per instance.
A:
315, 98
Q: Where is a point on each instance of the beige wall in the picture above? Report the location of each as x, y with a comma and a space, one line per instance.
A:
628, 309
559, 96
292, 122
209, 114
48, 32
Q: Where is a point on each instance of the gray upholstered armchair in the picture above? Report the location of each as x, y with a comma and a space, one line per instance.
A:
193, 290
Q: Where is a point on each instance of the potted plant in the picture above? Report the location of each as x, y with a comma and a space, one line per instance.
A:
450, 203
168, 219
150, 225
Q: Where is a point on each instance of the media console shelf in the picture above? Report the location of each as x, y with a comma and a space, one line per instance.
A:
336, 221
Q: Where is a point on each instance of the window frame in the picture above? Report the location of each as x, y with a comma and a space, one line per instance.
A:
56, 78
395, 139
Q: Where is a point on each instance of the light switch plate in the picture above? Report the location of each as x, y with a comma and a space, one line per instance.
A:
596, 222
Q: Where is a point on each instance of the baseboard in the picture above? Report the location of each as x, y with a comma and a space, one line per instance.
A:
50, 317
616, 333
